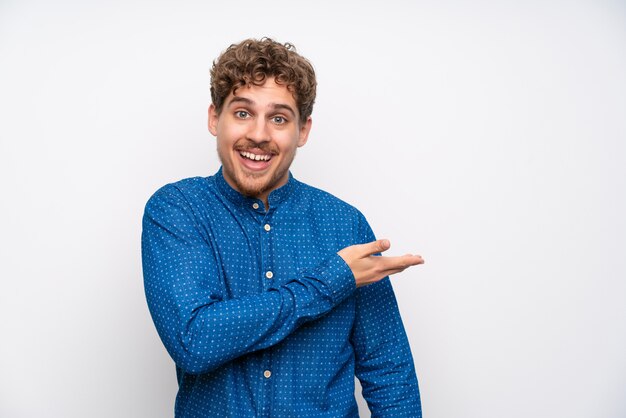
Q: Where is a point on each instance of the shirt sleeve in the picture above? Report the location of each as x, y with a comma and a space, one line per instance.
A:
383, 360
201, 331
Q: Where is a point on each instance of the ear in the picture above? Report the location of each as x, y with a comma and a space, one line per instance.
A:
305, 128
213, 119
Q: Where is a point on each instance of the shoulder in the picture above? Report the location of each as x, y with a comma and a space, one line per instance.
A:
187, 189
322, 201
184, 195
188, 186
329, 211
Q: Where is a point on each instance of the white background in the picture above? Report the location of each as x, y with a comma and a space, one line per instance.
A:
488, 136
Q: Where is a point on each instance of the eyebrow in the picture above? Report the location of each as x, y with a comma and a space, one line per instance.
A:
274, 106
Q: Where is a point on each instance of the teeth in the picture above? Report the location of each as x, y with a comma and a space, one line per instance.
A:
255, 157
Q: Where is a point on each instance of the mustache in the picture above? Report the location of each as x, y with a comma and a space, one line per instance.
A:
264, 147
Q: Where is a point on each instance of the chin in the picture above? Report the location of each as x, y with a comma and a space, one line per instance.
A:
253, 186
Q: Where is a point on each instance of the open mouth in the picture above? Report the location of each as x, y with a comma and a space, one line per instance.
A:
255, 157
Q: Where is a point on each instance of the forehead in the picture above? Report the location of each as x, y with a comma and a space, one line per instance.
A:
267, 94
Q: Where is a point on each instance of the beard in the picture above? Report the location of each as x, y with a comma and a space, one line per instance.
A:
252, 184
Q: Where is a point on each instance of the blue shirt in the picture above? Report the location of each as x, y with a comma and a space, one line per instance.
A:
260, 314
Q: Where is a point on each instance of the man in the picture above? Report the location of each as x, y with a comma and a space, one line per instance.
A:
269, 294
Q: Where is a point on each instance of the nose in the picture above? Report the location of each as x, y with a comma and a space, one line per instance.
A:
258, 131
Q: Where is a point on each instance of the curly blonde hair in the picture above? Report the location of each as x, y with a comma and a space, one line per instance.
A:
252, 61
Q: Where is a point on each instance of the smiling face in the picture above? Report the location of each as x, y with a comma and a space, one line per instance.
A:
258, 132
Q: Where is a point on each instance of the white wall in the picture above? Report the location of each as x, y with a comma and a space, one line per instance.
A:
488, 136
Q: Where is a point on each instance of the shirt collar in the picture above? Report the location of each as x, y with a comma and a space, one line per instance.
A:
275, 198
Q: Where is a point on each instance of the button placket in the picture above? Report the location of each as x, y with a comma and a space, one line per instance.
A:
266, 274
267, 259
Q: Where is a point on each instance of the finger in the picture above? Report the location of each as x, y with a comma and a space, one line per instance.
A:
389, 272
373, 247
401, 262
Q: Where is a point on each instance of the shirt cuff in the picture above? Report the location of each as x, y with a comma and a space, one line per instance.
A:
336, 274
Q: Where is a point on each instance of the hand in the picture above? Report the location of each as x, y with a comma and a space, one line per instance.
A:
368, 268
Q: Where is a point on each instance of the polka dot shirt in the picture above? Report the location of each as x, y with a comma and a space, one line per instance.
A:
260, 315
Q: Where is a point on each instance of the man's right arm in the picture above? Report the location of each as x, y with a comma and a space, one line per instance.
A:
200, 330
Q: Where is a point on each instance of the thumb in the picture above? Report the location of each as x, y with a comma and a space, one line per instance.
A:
374, 247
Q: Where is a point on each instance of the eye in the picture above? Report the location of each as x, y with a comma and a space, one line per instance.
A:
279, 120
242, 114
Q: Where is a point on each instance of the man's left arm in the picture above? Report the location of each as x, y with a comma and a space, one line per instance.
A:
384, 364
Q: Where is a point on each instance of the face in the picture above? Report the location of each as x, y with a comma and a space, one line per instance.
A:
258, 132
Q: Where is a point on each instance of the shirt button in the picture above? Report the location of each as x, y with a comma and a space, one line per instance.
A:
267, 227
255, 205
267, 374
269, 274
